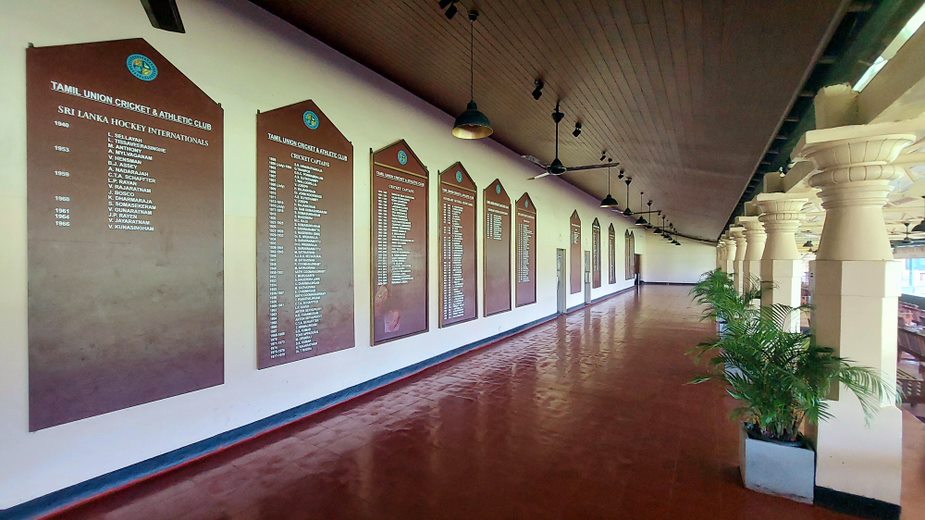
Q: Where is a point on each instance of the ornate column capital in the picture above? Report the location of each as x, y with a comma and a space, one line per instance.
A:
854, 176
738, 236
755, 237
781, 215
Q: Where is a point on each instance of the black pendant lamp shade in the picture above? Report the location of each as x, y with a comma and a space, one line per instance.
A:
628, 212
472, 124
609, 201
920, 227
641, 221
808, 244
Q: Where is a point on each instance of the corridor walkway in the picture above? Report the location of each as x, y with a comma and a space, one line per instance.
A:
584, 417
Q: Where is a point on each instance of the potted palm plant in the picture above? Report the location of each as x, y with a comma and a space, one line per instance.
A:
781, 380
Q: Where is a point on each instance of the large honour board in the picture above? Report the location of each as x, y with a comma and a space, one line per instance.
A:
496, 248
398, 230
304, 235
574, 237
596, 253
125, 230
525, 251
457, 252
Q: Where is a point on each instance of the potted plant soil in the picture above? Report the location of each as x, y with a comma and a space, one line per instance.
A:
781, 380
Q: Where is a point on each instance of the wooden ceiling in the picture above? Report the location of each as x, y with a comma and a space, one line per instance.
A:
685, 94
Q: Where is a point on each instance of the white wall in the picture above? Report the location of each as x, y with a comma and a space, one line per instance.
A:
247, 60
664, 262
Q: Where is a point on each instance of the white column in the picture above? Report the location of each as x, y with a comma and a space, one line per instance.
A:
738, 234
856, 296
781, 264
729, 260
720, 254
755, 237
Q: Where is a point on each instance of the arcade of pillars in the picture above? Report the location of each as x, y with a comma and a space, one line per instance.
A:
855, 288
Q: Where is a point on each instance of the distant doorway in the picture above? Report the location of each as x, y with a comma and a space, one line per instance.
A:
560, 281
587, 277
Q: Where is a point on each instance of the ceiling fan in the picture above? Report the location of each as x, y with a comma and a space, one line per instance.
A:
556, 168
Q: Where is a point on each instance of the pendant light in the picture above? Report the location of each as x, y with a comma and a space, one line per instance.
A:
609, 201
641, 221
472, 124
906, 239
658, 230
808, 244
628, 212
920, 227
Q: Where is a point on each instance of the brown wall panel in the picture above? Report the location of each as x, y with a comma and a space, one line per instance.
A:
125, 223
525, 261
497, 248
457, 260
399, 243
612, 257
595, 253
304, 235
574, 253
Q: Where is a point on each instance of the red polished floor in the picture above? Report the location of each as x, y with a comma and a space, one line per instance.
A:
584, 417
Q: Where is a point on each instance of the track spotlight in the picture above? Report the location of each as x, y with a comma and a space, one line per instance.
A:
603, 155
450, 7
538, 88
577, 131
622, 173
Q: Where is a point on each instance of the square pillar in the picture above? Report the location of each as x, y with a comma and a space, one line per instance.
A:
856, 289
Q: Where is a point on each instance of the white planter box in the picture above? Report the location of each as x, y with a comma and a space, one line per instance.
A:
776, 469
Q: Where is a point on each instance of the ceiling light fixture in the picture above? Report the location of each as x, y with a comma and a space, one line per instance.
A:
906, 239
628, 212
641, 221
577, 131
538, 89
450, 7
472, 124
603, 155
609, 201
808, 244
920, 227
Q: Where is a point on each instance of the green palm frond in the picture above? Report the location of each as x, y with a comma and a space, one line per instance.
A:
780, 377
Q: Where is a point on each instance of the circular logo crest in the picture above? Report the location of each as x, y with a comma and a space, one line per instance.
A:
458, 176
141, 67
311, 120
402, 157
498, 189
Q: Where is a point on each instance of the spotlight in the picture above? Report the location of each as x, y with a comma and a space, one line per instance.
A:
450, 6
622, 173
603, 155
577, 131
808, 244
538, 88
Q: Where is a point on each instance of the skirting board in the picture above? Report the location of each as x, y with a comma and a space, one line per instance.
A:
668, 283
74, 495
856, 505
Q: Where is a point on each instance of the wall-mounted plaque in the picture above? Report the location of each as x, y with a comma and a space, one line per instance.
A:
125, 223
525, 258
399, 243
595, 253
574, 237
629, 253
457, 263
304, 235
497, 247
612, 257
